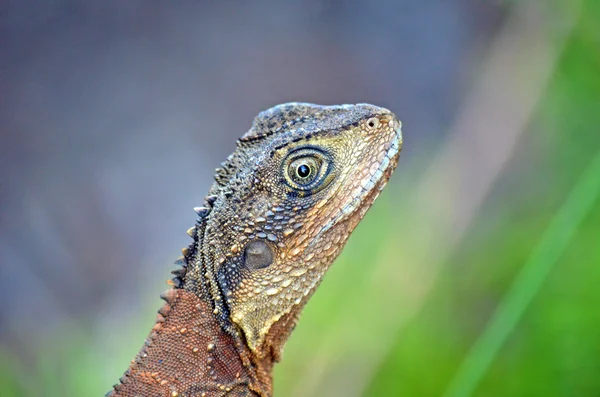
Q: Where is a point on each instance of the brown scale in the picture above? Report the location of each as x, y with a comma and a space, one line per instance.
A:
261, 246
188, 354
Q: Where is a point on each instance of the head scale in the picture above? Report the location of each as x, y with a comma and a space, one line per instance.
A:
284, 204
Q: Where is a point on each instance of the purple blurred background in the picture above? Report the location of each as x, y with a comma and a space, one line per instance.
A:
113, 115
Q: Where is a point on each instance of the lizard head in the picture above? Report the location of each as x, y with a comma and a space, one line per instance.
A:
285, 202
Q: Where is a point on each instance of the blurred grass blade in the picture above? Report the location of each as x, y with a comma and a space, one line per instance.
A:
528, 281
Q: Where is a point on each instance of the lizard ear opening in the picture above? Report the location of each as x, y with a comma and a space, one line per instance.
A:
257, 255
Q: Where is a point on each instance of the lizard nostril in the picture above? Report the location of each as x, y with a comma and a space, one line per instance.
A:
372, 123
257, 255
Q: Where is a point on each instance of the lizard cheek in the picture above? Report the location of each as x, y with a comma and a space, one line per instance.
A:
257, 255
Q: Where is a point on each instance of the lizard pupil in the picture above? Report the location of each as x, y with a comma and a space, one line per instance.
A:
303, 171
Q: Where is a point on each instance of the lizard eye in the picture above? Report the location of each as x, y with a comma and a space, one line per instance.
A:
306, 169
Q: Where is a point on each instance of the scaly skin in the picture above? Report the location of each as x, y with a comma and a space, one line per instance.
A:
281, 209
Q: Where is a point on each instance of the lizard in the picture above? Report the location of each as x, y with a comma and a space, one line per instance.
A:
279, 212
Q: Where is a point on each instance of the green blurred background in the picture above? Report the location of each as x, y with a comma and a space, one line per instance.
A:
456, 283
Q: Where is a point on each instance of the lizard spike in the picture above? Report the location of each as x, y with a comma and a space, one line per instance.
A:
190, 232
168, 296
210, 200
179, 273
159, 320
185, 251
174, 282
164, 310
181, 262
201, 211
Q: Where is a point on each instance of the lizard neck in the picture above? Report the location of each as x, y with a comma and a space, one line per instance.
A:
189, 354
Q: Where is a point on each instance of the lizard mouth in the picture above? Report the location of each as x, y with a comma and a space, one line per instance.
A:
372, 184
